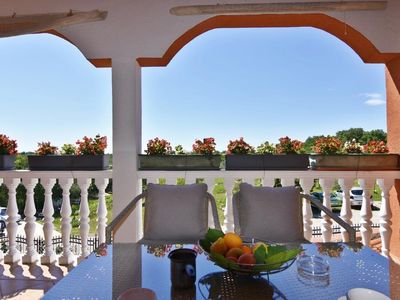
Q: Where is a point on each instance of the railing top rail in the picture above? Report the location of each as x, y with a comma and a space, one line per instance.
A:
271, 174
56, 174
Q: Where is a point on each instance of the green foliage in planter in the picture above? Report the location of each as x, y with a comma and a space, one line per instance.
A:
21, 162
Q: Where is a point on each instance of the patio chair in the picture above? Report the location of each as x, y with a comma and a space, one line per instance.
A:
173, 214
274, 214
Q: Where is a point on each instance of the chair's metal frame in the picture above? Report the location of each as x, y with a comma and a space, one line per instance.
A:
120, 218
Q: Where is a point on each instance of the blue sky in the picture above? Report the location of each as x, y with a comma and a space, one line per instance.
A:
257, 83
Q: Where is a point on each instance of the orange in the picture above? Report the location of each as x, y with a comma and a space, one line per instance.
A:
247, 258
232, 240
219, 246
234, 252
246, 249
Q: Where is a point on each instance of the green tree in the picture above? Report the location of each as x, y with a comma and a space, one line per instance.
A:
350, 134
376, 134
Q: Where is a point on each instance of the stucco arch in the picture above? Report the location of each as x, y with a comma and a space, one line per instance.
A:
353, 38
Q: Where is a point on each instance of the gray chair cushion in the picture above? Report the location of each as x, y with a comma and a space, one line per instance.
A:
176, 212
267, 213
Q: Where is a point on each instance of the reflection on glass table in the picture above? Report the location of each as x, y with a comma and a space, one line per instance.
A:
133, 265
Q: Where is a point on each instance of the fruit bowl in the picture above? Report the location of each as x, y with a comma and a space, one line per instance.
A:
260, 258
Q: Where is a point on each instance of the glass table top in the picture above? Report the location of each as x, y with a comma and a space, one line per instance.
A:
133, 265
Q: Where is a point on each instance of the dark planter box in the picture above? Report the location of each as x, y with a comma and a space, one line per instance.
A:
7, 162
68, 162
267, 162
179, 162
362, 162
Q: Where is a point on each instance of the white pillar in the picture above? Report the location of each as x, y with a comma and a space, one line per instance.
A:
366, 213
326, 223
126, 85
385, 215
49, 256
346, 213
31, 255
67, 257
307, 184
229, 184
13, 254
84, 217
101, 184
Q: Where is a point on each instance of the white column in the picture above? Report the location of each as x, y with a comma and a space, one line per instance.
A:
13, 254
307, 184
84, 217
101, 184
126, 82
229, 183
49, 256
385, 215
67, 257
31, 255
326, 223
366, 213
210, 184
345, 212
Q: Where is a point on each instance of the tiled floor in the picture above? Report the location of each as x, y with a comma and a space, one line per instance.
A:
28, 281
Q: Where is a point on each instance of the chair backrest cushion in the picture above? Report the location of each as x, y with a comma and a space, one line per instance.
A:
268, 213
175, 212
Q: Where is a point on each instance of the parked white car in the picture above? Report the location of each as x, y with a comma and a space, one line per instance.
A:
4, 217
356, 196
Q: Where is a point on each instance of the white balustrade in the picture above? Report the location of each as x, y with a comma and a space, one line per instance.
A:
31, 255
67, 257
385, 215
326, 184
367, 186
101, 184
49, 256
84, 217
228, 226
13, 254
307, 184
345, 212
385, 180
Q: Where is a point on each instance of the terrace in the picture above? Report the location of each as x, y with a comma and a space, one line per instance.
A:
27, 269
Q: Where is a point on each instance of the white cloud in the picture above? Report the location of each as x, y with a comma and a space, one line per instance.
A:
373, 95
375, 102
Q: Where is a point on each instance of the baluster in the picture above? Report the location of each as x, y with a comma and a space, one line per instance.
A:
307, 184
49, 256
228, 213
366, 213
13, 254
67, 257
84, 217
31, 255
101, 184
385, 215
210, 184
345, 212
326, 223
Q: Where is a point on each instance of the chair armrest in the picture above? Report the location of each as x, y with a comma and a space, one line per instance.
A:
351, 231
116, 222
